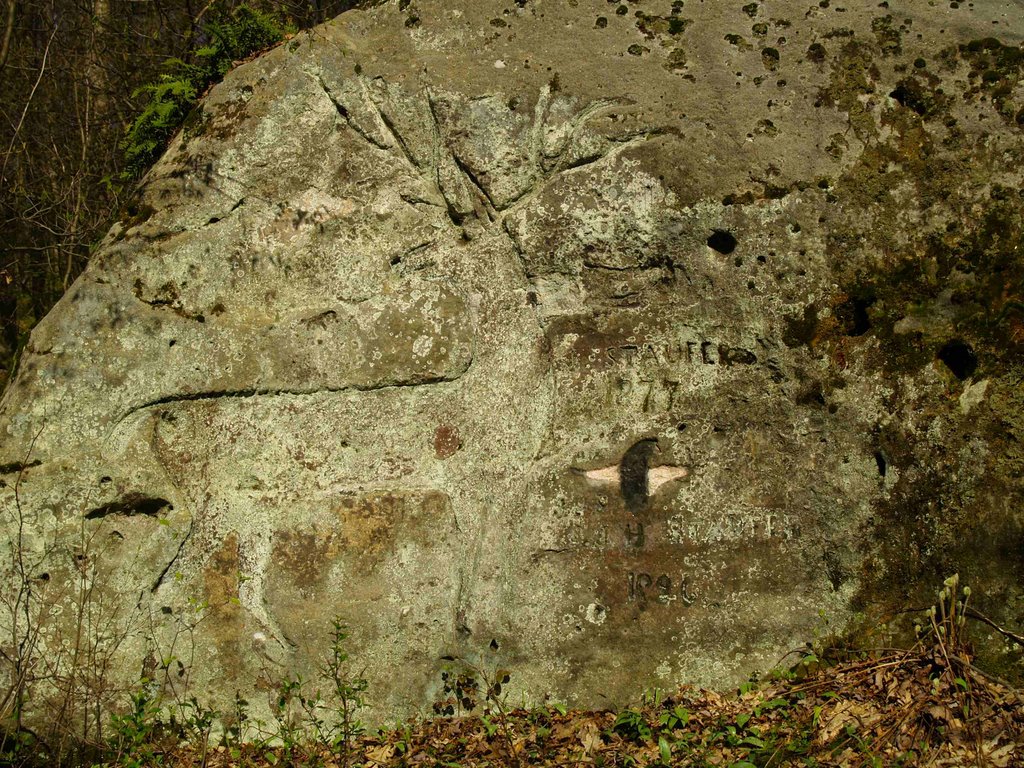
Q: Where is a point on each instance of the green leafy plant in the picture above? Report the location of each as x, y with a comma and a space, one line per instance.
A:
235, 727
463, 691
632, 724
460, 692
490, 727
179, 87
194, 723
496, 699
664, 750
349, 689
675, 718
652, 697
137, 732
285, 709
310, 718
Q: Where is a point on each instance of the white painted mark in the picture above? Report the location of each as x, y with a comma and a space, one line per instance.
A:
656, 476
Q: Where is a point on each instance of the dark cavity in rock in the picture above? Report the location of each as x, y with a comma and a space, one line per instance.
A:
131, 505
722, 241
959, 358
853, 314
801, 330
883, 465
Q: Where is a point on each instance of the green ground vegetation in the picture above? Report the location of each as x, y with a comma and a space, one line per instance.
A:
927, 704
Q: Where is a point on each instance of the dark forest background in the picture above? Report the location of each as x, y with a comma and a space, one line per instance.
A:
70, 71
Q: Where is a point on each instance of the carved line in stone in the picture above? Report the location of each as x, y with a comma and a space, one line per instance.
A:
491, 208
343, 111
242, 394
154, 445
256, 609
159, 580
18, 467
547, 164
166, 234
441, 146
395, 137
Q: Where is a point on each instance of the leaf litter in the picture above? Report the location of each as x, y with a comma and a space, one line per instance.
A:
928, 705
918, 707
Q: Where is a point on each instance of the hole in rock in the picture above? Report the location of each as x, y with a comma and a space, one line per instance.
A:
959, 358
909, 95
494, 644
813, 394
861, 321
17, 466
801, 330
883, 465
853, 314
722, 241
130, 505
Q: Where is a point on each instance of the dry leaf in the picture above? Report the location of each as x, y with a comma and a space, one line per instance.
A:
590, 737
999, 758
381, 754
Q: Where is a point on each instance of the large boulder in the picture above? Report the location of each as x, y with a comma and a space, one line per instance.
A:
618, 346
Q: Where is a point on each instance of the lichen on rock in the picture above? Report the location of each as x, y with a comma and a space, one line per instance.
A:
618, 370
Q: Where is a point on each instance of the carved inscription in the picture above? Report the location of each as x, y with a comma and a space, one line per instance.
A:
637, 480
655, 375
645, 588
656, 395
749, 525
663, 391
697, 352
641, 538
635, 535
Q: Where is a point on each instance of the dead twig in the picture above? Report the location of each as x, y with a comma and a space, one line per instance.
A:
973, 614
5, 47
28, 103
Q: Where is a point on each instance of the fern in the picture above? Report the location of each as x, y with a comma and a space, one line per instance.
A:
175, 93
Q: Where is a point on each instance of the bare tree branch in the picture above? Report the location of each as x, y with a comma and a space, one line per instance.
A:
5, 47
28, 102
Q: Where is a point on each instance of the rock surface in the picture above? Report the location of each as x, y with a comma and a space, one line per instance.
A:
617, 345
